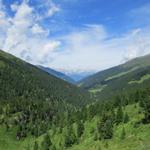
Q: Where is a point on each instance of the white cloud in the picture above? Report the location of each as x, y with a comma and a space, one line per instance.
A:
19, 27
23, 36
37, 29
87, 50
138, 43
14, 7
53, 9
91, 48
4, 23
50, 9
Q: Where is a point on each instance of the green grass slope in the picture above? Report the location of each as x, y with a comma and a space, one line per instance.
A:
20, 79
136, 137
127, 77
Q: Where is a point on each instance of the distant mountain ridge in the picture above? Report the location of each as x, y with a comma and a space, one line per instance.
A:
130, 76
21, 79
57, 74
77, 77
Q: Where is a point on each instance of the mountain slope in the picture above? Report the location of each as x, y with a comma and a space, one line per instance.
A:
20, 79
127, 77
57, 74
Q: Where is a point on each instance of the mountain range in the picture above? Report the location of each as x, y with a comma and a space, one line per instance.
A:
22, 79
40, 109
125, 78
57, 74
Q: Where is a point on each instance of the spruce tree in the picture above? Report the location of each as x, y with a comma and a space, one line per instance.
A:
123, 134
70, 137
105, 127
145, 105
126, 118
46, 142
80, 128
96, 136
53, 147
119, 115
35, 146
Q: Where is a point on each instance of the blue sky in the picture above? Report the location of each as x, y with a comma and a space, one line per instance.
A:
75, 35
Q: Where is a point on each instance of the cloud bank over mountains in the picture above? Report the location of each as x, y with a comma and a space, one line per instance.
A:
90, 48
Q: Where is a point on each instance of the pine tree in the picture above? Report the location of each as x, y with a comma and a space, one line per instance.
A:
7, 126
145, 104
96, 137
53, 147
126, 118
36, 147
105, 127
123, 134
80, 128
119, 115
138, 96
46, 142
70, 137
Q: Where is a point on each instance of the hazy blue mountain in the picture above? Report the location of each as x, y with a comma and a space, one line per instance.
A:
77, 77
57, 74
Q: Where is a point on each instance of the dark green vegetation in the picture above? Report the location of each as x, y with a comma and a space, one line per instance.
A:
125, 78
57, 74
41, 112
20, 79
32, 101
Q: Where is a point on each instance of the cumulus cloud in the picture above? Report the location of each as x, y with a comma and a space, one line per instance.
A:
14, 7
24, 36
93, 49
37, 29
50, 8
53, 9
88, 49
138, 43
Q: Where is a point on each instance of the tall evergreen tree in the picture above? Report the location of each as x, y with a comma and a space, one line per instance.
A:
70, 137
123, 134
119, 115
46, 142
80, 128
126, 118
105, 127
53, 147
36, 147
145, 105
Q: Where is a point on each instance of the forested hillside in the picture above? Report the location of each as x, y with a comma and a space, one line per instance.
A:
74, 74
120, 124
23, 80
41, 112
33, 101
124, 78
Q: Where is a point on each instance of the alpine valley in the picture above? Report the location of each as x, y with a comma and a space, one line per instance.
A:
42, 109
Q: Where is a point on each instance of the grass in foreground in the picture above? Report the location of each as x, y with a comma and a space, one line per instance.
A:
137, 136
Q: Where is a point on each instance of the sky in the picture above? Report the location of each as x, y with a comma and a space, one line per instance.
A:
75, 35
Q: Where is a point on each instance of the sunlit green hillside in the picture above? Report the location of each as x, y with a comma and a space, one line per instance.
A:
124, 78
